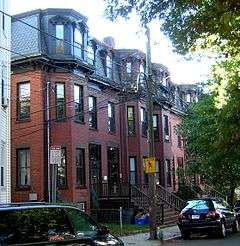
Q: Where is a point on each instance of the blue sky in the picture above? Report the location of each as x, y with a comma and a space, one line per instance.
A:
127, 34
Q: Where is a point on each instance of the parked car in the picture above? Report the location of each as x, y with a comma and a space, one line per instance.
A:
237, 210
45, 224
207, 216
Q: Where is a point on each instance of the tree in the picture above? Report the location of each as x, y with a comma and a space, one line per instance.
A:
212, 138
212, 126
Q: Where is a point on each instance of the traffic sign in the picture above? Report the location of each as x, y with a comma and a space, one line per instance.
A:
150, 165
55, 154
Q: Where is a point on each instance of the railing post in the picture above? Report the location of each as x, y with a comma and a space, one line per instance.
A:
121, 222
162, 213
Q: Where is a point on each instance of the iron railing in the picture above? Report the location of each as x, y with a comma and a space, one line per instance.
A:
170, 199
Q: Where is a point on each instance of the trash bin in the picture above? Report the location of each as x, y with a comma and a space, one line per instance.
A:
143, 220
127, 215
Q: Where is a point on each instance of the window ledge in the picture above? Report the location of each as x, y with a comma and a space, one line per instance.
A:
93, 129
23, 120
80, 187
23, 188
80, 122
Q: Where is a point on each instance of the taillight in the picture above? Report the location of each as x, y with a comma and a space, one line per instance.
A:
181, 216
212, 215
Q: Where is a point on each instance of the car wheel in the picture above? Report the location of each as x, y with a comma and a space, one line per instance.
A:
222, 230
185, 235
235, 227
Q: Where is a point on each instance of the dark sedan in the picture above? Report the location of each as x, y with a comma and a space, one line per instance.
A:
207, 216
38, 224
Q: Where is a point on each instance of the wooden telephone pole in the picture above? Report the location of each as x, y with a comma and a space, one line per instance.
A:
152, 177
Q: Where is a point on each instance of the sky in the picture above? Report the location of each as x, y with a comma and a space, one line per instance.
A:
127, 34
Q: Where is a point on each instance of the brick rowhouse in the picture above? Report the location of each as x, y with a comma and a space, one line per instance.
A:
97, 113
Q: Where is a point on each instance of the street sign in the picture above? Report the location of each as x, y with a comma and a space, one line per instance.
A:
150, 165
55, 155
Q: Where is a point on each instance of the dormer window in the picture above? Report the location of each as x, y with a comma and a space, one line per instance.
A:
78, 43
109, 66
90, 54
141, 72
188, 97
59, 39
129, 69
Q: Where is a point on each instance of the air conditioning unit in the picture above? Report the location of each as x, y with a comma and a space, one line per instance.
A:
166, 137
5, 102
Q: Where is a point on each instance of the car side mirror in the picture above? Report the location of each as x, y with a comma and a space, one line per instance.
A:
103, 230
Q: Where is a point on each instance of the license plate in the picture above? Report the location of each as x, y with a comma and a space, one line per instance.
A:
195, 217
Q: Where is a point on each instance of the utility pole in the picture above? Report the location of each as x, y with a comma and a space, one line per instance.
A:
152, 178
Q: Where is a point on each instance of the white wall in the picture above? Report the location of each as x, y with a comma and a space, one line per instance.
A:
5, 35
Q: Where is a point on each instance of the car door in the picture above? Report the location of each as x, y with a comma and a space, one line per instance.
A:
226, 212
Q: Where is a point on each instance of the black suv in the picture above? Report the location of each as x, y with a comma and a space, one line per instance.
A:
207, 216
45, 224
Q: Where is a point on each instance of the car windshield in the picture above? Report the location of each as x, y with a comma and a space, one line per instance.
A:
199, 205
82, 224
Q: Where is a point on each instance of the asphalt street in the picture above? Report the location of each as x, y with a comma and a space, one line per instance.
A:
230, 240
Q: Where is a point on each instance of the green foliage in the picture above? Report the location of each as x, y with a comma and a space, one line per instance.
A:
188, 192
212, 140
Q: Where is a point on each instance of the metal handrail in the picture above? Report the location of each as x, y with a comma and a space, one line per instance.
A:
169, 198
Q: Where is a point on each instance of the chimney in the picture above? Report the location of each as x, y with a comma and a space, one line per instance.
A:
109, 41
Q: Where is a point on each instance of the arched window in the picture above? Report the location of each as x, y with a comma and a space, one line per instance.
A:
78, 43
109, 66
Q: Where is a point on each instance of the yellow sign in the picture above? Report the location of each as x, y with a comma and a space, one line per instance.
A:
150, 165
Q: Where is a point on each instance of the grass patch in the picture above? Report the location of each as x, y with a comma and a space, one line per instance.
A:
128, 229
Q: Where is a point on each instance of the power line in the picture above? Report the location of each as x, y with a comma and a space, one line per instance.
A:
67, 117
64, 40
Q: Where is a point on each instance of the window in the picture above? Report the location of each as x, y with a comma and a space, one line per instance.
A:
78, 43
3, 161
92, 104
62, 170
129, 69
80, 167
180, 162
111, 117
109, 67
23, 101
133, 171
131, 120
143, 121
4, 87
188, 97
141, 72
60, 39
179, 140
78, 103
155, 127
166, 127
90, 54
158, 172
60, 101
169, 172
23, 167
3, 19
2, 176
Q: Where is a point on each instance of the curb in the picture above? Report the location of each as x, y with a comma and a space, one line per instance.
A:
171, 239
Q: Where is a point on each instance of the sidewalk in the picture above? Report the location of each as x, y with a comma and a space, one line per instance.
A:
142, 238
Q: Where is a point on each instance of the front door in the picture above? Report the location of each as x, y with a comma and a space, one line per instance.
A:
95, 172
113, 170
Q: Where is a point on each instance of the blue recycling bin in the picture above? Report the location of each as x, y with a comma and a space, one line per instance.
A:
143, 220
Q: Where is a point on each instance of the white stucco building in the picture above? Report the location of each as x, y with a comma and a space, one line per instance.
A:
5, 35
